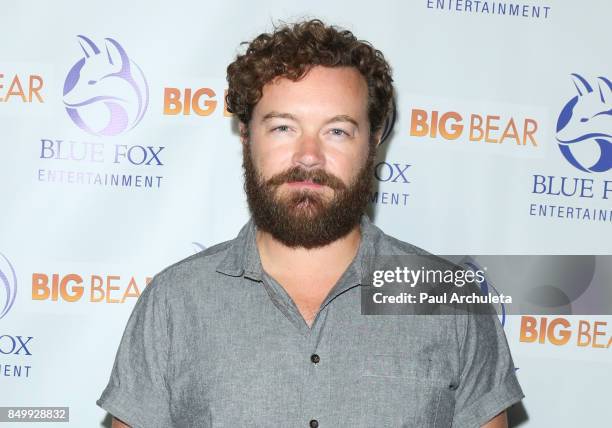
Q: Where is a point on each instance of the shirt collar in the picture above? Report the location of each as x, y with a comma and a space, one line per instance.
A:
242, 257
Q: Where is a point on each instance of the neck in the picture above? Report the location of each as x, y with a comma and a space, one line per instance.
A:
279, 259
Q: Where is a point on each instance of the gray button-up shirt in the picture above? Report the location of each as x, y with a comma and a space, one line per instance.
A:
213, 341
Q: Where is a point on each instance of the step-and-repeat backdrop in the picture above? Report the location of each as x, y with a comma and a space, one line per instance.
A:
118, 158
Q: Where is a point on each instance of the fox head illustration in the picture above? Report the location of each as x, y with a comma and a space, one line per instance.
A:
587, 119
105, 93
8, 285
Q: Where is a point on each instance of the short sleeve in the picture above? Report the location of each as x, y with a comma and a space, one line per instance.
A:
488, 383
137, 391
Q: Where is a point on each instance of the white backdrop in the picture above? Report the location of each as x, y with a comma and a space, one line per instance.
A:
105, 180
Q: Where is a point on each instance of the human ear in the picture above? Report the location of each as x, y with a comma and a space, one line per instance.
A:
244, 132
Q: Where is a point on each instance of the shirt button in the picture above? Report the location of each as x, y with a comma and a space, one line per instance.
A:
313, 423
315, 359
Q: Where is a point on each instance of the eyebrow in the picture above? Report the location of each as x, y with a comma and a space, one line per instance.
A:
337, 118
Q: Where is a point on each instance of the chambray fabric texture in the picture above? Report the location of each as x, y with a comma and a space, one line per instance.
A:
213, 341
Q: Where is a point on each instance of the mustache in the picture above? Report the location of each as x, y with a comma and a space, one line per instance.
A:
317, 176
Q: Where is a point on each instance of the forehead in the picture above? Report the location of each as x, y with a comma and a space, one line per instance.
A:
322, 92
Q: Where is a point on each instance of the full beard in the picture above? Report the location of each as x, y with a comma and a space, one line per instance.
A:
303, 217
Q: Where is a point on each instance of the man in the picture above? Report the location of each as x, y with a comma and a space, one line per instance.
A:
266, 329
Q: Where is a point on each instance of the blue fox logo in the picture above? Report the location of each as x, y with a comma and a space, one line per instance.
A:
587, 119
8, 282
105, 93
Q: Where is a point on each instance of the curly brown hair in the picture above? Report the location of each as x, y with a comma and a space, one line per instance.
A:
291, 50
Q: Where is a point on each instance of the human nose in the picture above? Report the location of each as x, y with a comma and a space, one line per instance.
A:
309, 152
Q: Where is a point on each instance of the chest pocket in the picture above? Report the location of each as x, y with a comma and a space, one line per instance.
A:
408, 391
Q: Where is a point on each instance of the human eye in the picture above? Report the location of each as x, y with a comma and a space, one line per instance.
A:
339, 132
281, 129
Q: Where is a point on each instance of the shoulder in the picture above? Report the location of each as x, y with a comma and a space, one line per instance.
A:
387, 245
198, 269
390, 245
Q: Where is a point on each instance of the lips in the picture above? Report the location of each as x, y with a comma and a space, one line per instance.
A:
304, 183
298, 178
